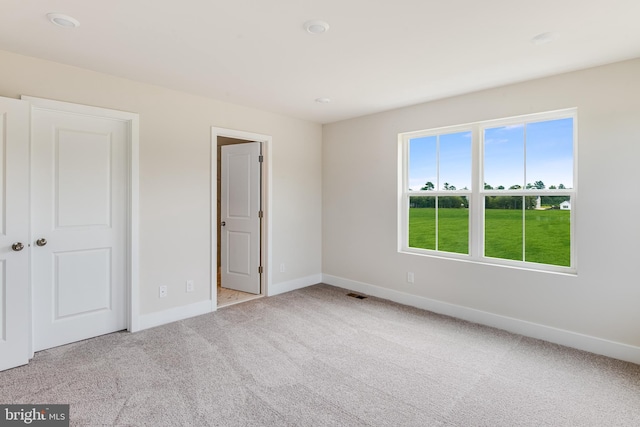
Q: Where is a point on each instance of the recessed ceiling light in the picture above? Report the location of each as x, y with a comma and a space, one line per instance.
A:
316, 26
323, 100
543, 38
62, 20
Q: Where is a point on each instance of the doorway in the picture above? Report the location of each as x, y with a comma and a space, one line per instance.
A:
239, 219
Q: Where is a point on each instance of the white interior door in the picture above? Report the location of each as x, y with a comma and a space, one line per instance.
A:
14, 233
79, 188
240, 216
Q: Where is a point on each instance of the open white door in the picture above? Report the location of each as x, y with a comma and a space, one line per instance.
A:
240, 216
14, 233
79, 188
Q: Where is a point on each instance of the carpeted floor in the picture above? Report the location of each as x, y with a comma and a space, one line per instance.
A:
316, 357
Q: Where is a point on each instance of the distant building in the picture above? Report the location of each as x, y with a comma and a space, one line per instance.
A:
565, 206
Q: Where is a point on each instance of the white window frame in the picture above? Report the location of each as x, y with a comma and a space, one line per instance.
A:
477, 194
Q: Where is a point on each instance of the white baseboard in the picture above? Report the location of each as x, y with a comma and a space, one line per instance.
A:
534, 330
158, 318
146, 321
292, 285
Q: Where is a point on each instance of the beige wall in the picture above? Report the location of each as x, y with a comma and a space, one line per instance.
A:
360, 172
175, 193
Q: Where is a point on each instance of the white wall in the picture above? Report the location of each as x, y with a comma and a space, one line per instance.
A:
175, 153
360, 171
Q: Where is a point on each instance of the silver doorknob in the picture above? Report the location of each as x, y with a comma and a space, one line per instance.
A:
41, 242
17, 246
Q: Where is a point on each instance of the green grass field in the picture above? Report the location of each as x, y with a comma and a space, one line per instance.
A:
547, 233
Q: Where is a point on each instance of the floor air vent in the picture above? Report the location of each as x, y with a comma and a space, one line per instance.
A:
352, 295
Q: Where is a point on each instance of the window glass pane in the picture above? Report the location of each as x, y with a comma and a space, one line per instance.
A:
422, 222
503, 227
422, 162
550, 154
504, 157
453, 224
548, 232
455, 161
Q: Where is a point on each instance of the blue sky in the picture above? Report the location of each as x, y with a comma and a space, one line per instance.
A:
549, 156
455, 161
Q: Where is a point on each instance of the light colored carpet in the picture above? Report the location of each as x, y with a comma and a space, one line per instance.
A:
316, 357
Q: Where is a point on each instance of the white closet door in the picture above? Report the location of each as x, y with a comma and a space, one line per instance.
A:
14, 233
79, 225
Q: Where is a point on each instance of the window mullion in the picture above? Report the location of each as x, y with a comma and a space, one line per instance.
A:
524, 186
437, 203
524, 230
476, 202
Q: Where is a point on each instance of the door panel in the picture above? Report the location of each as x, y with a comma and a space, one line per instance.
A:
14, 228
82, 281
240, 206
87, 180
79, 193
239, 250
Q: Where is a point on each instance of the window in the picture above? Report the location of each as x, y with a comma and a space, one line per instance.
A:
501, 191
440, 168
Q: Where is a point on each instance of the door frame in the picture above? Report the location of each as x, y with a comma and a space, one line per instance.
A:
133, 208
265, 241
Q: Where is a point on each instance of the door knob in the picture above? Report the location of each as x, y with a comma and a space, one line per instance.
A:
17, 246
223, 223
41, 242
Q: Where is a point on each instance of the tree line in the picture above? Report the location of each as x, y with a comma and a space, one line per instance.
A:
539, 185
491, 202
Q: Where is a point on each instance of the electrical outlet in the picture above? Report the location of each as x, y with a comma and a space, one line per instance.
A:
410, 277
283, 268
189, 285
163, 291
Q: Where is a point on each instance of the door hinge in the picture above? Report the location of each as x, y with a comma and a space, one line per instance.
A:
260, 214
260, 270
260, 158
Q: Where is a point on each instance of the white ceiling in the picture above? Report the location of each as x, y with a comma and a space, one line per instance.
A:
377, 55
